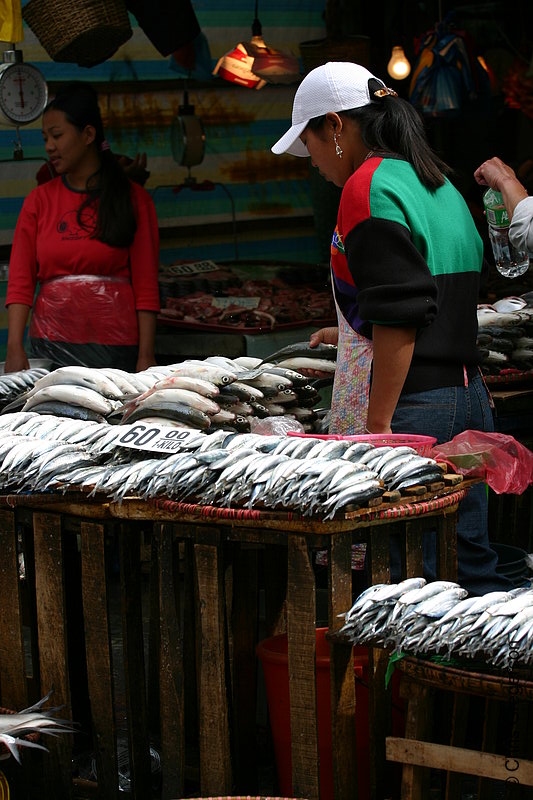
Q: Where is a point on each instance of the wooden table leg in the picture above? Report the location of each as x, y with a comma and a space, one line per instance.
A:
134, 667
342, 676
171, 671
14, 690
51, 623
447, 545
301, 630
215, 753
244, 623
99, 663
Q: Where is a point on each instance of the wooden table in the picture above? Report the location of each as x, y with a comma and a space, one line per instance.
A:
207, 617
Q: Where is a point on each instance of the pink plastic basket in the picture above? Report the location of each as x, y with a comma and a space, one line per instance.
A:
422, 444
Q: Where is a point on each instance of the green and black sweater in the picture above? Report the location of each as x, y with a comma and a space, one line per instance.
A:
405, 255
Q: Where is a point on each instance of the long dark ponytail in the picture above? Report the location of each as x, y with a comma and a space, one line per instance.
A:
115, 222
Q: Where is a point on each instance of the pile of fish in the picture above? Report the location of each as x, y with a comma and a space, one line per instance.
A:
42, 453
210, 394
34, 720
439, 618
13, 384
505, 335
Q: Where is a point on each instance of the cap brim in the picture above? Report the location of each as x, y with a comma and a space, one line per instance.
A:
291, 143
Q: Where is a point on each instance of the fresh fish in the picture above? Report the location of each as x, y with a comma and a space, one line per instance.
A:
179, 412
58, 409
315, 364
303, 349
35, 719
182, 396
73, 395
198, 385
210, 372
506, 304
80, 376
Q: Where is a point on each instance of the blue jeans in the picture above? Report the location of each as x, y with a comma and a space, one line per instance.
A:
444, 413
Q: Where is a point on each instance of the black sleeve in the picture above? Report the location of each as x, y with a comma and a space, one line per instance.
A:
394, 284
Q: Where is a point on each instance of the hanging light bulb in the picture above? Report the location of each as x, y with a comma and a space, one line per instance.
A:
252, 64
398, 66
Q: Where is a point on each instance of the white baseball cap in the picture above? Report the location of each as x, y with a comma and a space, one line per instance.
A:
335, 86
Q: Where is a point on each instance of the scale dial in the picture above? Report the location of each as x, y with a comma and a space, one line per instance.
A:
23, 93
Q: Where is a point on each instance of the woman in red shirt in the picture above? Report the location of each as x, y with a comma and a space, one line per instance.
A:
89, 240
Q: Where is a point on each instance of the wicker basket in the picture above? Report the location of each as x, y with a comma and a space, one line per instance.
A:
86, 32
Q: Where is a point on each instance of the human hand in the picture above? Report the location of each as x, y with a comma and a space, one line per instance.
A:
494, 173
322, 336
16, 361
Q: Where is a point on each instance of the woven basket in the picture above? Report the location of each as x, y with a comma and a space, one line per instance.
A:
86, 32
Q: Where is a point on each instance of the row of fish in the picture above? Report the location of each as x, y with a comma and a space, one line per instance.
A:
216, 392
439, 618
505, 334
42, 453
13, 384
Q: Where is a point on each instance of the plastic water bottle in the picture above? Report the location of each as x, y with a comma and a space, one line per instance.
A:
509, 261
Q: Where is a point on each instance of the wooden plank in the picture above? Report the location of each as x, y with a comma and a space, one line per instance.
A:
414, 554
171, 676
14, 690
154, 632
99, 659
24, 523
214, 733
301, 631
447, 545
459, 723
378, 698
53, 648
275, 570
418, 722
458, 759
342, 676
244, 624
133, 650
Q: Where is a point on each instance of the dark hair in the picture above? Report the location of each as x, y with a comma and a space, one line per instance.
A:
392, 125
115, 222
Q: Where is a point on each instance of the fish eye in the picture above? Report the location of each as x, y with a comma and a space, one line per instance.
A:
226, 379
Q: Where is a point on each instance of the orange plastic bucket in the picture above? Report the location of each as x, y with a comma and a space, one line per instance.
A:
274, 659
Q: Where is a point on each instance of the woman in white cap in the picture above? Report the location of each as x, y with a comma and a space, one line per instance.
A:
406, 261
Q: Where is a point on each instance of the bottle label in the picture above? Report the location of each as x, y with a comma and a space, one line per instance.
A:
495, 210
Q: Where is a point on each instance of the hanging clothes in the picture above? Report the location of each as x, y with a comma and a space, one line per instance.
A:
11, 21
447, 77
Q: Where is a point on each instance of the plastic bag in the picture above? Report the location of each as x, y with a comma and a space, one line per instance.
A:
275, 426
497, 458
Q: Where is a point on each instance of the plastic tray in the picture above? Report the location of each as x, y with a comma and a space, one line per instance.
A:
422, 444
212, 328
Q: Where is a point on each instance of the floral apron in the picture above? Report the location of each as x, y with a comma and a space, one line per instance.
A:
349, 400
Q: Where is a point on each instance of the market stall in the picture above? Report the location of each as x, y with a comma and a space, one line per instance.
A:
107, 477
221, 545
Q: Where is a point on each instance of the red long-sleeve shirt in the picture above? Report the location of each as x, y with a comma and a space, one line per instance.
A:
49, 245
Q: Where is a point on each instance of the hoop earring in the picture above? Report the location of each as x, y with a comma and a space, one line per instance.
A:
338, 149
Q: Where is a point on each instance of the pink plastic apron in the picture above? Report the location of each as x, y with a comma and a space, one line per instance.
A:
349, 400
